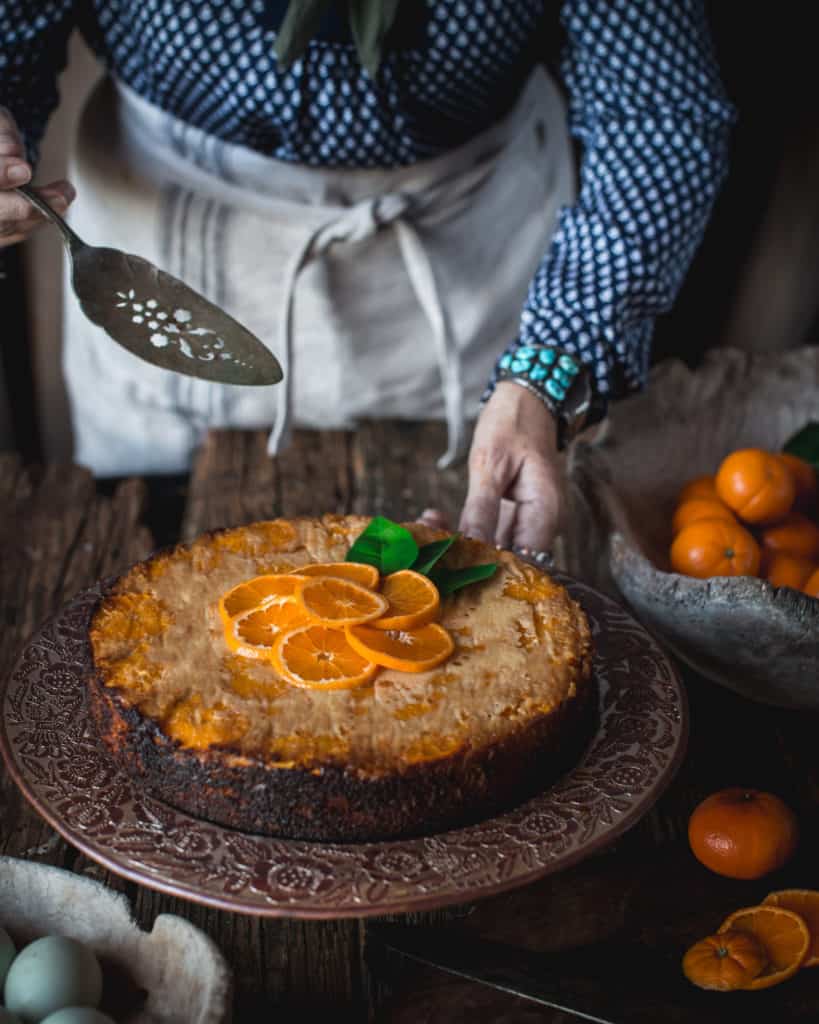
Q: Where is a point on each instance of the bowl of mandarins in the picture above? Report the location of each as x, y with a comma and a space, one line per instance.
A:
699, 505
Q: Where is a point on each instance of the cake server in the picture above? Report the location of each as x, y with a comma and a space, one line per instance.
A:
157, 317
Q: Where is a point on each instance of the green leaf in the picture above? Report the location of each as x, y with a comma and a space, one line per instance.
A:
370, 22
805, 444
386, 545
430, 553
299, 26
449, 580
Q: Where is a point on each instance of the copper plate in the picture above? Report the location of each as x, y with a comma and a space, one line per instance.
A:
52, 751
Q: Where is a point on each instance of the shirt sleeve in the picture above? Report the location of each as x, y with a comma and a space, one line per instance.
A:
33, 43
648, 106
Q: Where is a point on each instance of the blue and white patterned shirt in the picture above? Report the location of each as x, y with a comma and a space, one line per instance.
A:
645, 101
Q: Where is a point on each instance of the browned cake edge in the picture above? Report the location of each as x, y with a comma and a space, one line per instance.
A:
332, 802
335, 804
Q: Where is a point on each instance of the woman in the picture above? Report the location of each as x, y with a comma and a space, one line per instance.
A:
383, 192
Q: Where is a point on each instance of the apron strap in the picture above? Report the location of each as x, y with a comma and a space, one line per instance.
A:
360, 221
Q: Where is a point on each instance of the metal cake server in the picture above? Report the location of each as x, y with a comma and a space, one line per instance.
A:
157, 317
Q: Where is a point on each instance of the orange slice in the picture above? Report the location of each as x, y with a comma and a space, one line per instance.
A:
254, 633
259, 591
336, 602
357, 572
783, 934
406, 650
414, 601
805, 903
318, 657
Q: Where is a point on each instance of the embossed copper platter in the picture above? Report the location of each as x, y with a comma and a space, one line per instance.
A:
50, 746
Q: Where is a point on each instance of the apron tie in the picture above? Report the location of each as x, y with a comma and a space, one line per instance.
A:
355, 224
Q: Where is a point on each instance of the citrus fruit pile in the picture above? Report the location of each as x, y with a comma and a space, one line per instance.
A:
758, 947
757, 516
333, 625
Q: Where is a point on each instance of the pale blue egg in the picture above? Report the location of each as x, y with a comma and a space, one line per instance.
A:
7, 954
78, 1015
50, 974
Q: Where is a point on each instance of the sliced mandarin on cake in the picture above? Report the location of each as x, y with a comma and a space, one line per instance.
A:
405, 650
258, 592
357, 572
413, 601
332, 601
319, 657
254, 633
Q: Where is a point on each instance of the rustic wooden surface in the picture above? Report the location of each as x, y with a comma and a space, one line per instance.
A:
58, 534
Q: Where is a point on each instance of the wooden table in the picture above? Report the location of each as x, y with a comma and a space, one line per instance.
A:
58, 533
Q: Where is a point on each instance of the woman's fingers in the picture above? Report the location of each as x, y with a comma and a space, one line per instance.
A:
539, 504
515, 485
490, 474
13, 167
18, 218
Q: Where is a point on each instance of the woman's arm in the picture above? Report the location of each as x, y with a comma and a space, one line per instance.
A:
647, 103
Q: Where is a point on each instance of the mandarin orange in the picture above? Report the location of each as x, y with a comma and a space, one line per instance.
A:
743, 833
756, 485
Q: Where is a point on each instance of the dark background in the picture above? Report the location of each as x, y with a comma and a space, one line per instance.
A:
762, 244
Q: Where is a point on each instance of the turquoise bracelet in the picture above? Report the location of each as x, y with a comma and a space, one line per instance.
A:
551, 376
549, 370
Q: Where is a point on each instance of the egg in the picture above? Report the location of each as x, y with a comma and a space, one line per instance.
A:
7, 954
78, 1015
50, 974
8, 1018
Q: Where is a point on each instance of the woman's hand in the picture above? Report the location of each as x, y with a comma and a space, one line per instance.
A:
516, 490
18, 218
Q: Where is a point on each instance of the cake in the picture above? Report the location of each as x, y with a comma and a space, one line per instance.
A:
229, 739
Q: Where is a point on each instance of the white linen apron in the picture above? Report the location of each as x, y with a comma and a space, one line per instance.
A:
384, 294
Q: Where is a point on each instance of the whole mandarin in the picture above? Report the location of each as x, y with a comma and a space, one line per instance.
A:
756, 485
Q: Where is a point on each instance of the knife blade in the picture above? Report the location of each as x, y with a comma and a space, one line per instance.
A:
614, 982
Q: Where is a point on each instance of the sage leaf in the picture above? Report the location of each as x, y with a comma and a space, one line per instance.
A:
386, 545
805, 444
299, 26
429, 554
449, 580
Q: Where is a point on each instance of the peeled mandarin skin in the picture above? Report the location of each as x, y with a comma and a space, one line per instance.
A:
743, 833
756, 485
811, 587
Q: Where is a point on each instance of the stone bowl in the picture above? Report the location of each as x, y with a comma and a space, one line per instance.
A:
757, 640
173, 974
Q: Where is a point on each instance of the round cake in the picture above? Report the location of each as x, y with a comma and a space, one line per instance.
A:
232, 740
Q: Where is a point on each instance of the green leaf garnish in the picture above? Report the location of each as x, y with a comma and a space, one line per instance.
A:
805, 444
390, 547
386, 545
449, 580
429, 554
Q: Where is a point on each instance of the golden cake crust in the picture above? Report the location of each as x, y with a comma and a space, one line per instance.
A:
227, 739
